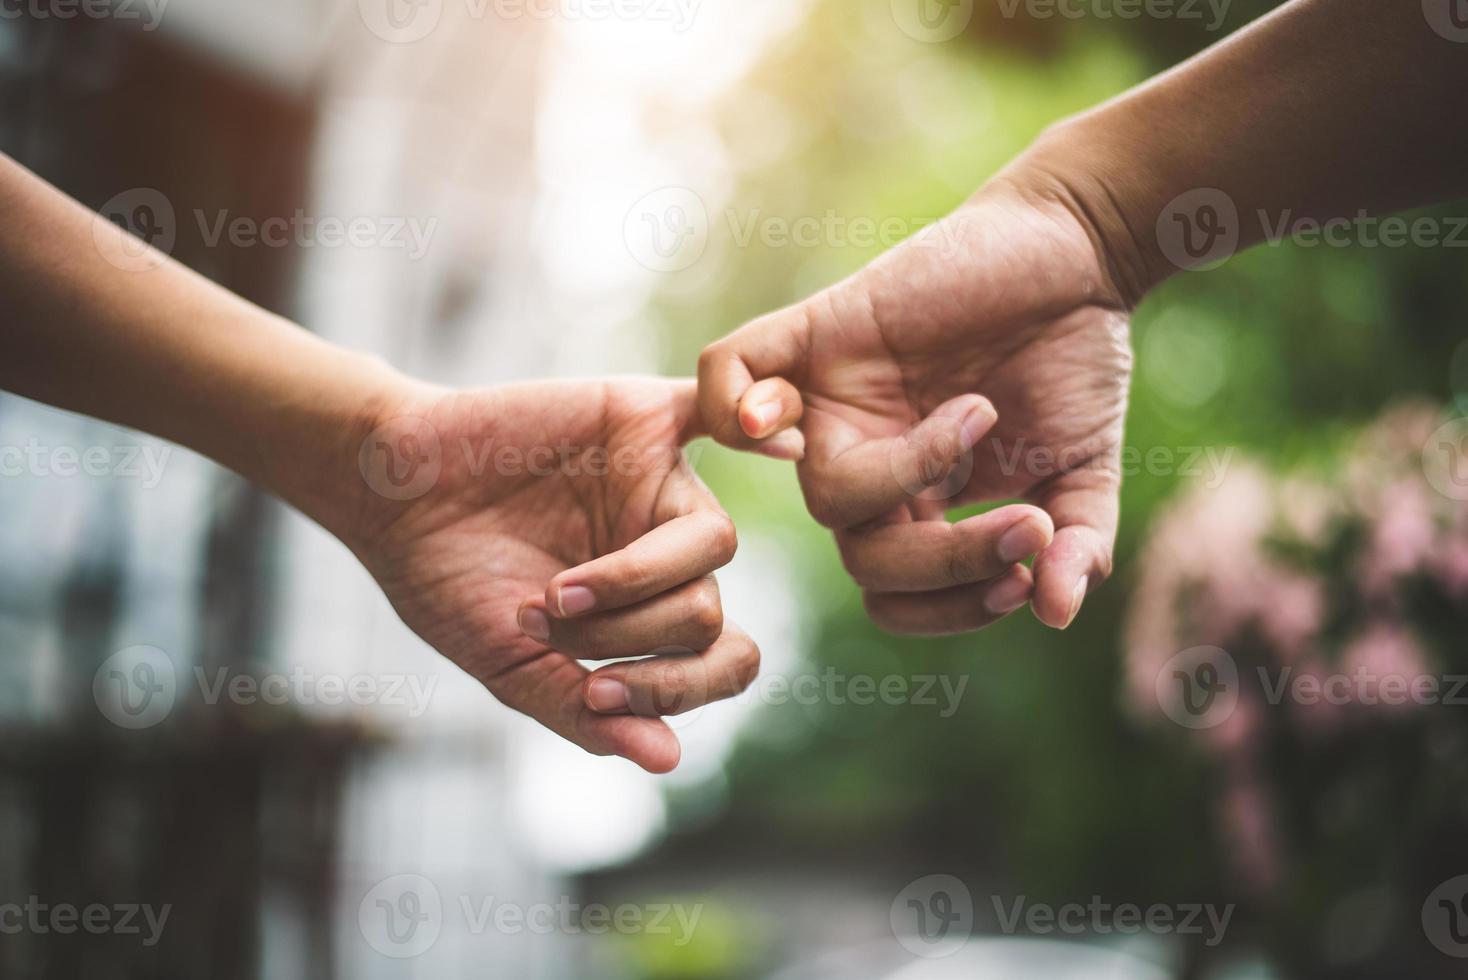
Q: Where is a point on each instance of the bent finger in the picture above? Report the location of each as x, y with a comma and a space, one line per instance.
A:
920, 556
673, 683
858, 483
771, 346
685, 548
690, 615
946, 612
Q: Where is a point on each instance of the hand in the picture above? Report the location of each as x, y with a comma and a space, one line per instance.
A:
983, 360
560, 522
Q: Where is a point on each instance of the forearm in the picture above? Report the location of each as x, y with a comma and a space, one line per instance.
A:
152, 345
1320, 110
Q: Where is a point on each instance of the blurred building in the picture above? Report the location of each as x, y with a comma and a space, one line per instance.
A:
263, 826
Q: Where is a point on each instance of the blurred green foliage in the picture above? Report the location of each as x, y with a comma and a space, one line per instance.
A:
1040, 773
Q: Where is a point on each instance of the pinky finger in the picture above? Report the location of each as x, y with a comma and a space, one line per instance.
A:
674, 683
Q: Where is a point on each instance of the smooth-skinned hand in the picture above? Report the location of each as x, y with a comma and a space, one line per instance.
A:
563, 523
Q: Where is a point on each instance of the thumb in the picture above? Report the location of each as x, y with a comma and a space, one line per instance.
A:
747, 384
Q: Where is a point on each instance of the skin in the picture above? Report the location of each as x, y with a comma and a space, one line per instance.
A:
514, 567
1020, 300
986, 360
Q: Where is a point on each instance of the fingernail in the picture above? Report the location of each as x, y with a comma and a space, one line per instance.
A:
976, 422
605, 694
1007, 596
534, 624
575, 600
764, 416
1021, 541
1077, 597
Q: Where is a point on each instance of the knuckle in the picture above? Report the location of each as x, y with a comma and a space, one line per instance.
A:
635, 573
725, 537
746, 666
852, 558
962, 564
881, 613
823, 504
707, 611
675, 690
589, 643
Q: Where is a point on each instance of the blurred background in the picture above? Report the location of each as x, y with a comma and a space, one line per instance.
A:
489, 190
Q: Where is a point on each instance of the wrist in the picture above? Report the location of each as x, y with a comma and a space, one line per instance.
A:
1080, 166
317, 452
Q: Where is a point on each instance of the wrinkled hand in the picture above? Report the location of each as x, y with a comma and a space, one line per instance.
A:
560, 522
985, 359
